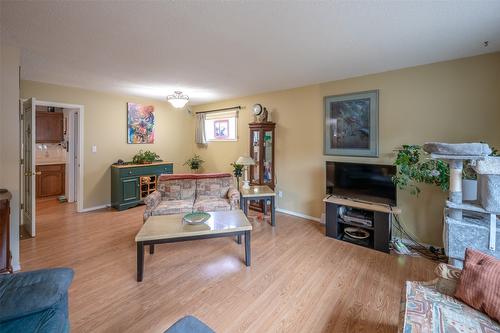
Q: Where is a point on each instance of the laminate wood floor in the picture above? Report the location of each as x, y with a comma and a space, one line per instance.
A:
299, 281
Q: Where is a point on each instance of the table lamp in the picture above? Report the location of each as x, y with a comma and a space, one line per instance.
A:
246, 161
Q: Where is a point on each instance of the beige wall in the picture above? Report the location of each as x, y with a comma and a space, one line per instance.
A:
105, 122
452, 101
9, 139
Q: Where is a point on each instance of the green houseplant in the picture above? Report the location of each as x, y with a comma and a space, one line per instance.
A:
237, 172
145, 157
415, 166
194, 162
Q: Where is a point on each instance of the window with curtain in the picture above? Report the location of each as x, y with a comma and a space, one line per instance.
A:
222, 126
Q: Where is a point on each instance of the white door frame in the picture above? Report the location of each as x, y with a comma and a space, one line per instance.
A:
72, 157
80, 151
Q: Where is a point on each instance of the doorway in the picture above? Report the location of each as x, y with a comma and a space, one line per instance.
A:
51, 157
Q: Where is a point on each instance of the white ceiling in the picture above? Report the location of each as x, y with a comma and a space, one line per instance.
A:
213, 50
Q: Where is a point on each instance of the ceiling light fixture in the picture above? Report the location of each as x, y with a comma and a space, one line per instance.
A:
178, 100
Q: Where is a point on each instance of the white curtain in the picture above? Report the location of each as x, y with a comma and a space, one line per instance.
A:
200, 136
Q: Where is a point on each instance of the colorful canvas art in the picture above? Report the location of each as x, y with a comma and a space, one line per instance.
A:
140, 123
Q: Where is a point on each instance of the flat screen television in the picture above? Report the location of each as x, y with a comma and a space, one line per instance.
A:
365, 182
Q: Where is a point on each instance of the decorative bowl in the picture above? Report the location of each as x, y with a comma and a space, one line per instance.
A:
196, 217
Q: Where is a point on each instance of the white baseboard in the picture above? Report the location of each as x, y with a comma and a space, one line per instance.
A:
304, 216
16, 267
94, 208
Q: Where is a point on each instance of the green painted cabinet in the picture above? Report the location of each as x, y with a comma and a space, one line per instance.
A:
131, 183
130, 190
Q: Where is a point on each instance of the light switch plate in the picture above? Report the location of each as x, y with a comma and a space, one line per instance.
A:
94, 148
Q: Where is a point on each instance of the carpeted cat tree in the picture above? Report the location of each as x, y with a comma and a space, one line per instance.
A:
472, 223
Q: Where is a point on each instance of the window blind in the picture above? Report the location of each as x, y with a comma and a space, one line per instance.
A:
222, 114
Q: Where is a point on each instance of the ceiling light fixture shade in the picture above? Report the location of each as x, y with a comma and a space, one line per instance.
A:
178, 100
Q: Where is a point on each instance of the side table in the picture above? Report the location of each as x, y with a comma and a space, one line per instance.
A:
257, 193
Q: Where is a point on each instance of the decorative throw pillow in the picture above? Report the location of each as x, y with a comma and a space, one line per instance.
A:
479, 284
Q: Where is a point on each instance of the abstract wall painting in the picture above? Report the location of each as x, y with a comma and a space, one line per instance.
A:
140, 123
351, 124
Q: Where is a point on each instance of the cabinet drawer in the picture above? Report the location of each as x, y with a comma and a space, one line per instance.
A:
51, 167
169, 168
146, 170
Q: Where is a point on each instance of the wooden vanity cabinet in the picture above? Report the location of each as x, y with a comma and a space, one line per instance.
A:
50, 180
49, 127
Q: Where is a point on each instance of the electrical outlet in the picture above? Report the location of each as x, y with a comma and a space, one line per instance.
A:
280, 194
94, 148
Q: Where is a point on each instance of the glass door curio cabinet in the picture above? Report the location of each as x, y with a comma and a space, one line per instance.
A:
262, 151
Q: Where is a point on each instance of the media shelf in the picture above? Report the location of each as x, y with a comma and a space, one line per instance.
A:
368, 242
381, 216
353, 224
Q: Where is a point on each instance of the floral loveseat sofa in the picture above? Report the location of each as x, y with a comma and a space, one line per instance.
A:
183, 193
431, 307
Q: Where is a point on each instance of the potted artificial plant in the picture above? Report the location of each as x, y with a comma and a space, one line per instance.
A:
237, 172
194, 163
469, 182
146, 157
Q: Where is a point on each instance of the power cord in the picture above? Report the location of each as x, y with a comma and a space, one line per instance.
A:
431, 252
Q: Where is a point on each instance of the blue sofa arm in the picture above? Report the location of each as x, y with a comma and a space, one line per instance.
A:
25, 293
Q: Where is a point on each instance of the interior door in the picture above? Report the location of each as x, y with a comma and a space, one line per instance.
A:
28, 166
76, 148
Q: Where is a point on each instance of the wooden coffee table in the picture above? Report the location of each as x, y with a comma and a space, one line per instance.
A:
171, 228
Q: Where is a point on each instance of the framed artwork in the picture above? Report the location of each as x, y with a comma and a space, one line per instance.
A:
221, 129
140, 123
351, 124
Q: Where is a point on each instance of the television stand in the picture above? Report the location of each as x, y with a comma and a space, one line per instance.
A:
379, 214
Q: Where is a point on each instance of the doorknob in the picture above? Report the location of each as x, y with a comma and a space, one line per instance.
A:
37, 173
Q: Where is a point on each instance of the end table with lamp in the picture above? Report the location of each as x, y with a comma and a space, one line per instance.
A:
246, 161
258, 193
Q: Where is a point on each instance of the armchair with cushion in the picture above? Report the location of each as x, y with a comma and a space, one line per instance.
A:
431, 307
35, 301
183, 193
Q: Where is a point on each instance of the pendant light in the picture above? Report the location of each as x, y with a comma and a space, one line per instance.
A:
178, 100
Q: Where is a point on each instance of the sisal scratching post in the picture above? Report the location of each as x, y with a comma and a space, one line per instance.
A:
455, 196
